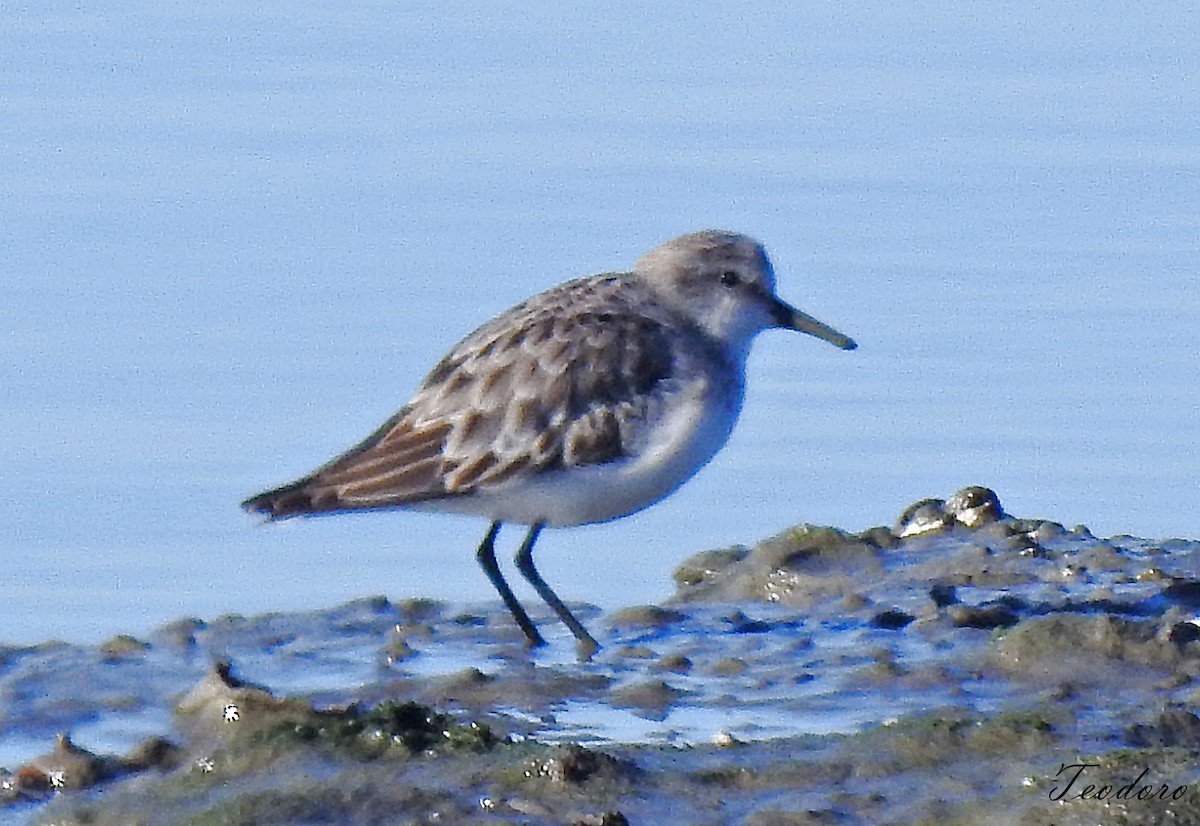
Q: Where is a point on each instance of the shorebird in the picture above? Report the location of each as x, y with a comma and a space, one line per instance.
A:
585, 403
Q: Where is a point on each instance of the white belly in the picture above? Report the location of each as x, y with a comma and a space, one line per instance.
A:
693, 425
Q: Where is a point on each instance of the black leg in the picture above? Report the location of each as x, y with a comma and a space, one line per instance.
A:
524, 560
487, 560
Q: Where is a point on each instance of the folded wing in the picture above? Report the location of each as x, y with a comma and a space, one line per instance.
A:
559, 381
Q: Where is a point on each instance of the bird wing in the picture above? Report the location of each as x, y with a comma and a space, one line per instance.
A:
558, 381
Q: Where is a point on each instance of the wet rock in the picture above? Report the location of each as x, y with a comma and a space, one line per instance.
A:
892, 619
122, 645
1101, 556
605, 819
389, 729
221, 705
725, 740
415, 620
704, 565
644, 616
1011, 534
636, 652
739, 623
1184, 591
852, 602
1026, 731
943, 594
365, 615
66, 766
397, 648
729, 666
1174, 727
1153, 574
974, 506
472, 619
415, 727
574, 765
779, 817
155, 753
880, 537
515, 687
1048, 532
933, 740
781, 769
1078, 645
812, 546
921, 517
883, 670
9, 653
651, 696
419, 610
675, 663
468, 687
1182, 633
181, 634
996, 615
69, 767
970, 564
796, 567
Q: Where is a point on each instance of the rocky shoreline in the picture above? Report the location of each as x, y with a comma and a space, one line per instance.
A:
962, 666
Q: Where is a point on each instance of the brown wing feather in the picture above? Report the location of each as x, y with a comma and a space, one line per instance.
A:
558, 381
368, 475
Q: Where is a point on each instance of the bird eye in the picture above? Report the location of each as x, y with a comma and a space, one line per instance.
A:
729, 278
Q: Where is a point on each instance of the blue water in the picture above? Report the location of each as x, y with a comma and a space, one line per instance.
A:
236, 236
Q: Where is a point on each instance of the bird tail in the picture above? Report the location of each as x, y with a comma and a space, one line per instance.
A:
295, 499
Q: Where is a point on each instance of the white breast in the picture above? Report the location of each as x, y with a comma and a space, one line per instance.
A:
692, 424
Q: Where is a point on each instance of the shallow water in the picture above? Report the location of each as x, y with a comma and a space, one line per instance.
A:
1038, 631
236, 238
799, 663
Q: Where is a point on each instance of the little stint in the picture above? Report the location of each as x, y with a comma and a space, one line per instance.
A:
587, 402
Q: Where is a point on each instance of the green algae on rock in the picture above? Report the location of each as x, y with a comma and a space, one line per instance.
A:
796, 567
